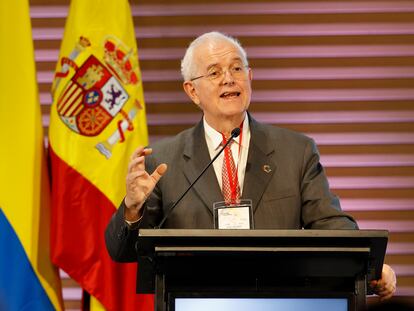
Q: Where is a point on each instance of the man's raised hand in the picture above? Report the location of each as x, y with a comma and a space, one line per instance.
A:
140, 184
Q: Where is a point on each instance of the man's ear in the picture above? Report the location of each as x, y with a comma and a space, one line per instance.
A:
250, 73
191, 92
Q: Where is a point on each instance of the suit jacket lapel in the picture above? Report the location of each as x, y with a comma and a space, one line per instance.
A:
260, 166
196, 159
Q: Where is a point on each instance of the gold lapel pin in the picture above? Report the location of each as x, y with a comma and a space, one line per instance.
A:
267, 168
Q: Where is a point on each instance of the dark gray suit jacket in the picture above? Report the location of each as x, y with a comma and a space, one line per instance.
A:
293, 195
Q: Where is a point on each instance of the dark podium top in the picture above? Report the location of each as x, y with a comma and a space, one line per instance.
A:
255, 259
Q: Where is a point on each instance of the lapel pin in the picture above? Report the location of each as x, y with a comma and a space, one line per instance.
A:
267, 168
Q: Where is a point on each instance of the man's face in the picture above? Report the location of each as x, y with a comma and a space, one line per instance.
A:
224, 90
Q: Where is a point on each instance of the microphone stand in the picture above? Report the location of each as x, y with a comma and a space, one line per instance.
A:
234, 133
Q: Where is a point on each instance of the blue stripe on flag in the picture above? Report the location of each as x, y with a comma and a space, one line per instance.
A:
20, 288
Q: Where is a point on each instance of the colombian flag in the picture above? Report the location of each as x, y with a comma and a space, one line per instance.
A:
97, 120
28, 281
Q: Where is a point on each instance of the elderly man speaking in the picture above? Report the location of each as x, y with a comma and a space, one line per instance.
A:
271, 175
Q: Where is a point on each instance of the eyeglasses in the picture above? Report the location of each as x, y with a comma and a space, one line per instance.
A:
237, 71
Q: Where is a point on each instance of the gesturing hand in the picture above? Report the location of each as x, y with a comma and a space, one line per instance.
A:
140, 184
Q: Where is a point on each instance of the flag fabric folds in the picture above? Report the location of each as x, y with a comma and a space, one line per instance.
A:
97, 119
28, 280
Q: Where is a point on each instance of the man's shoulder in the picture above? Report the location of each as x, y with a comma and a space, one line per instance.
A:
280, 134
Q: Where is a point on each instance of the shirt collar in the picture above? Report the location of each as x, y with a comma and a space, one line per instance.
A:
216, 138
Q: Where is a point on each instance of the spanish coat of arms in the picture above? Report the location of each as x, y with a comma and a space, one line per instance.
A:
95, 93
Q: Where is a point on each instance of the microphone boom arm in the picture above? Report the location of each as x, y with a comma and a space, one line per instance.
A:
234, 133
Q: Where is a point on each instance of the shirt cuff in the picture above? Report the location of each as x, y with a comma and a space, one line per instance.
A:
133, 224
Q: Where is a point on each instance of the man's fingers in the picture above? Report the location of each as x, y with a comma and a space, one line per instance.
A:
137, 152
134, 175
134, 164
385, 297
159, 171
156, 175
141, 151
138, 158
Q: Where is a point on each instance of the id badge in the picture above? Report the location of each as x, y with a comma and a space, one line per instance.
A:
233, 216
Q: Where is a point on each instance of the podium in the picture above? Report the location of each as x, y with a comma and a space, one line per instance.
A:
180, 264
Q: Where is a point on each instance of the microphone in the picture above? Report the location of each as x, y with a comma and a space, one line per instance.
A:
234, 133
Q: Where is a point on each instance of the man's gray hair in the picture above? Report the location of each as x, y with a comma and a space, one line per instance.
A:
188, 69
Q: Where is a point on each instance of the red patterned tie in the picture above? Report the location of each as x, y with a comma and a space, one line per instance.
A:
230, 183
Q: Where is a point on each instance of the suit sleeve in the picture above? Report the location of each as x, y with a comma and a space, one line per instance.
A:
320, 208
120, 238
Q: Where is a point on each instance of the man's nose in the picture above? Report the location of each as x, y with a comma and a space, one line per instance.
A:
227, 77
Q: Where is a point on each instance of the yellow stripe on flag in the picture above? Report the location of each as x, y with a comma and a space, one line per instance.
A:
97, 120
104, 30
24, 188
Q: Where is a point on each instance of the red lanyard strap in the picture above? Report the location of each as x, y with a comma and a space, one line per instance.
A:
233, 180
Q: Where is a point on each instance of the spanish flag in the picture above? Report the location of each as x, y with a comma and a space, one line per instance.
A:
97, 119
28, 281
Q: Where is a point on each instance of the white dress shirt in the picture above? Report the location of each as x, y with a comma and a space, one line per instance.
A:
214, 140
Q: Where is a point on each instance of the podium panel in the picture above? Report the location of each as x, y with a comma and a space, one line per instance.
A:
259, 264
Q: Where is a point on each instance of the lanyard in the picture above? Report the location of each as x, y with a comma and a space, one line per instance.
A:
234, 182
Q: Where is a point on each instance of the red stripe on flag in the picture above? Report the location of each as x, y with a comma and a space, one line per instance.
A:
80, 213
75, 106
72, 87
76, 111
74, 99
